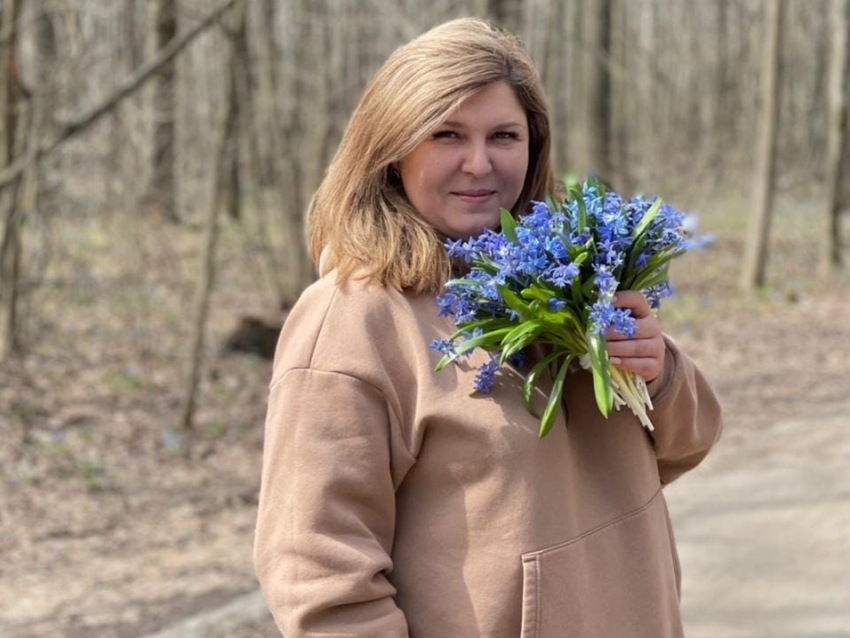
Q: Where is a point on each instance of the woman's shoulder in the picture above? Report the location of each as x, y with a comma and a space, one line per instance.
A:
341, 327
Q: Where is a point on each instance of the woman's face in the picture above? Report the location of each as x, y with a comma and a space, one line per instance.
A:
472, 165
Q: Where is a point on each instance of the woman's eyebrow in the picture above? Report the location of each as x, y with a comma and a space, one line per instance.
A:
507, 124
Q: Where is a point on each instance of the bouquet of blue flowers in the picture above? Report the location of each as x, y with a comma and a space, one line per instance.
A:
550, 278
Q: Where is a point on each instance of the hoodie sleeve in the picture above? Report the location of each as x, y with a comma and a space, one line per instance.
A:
686, 416
327, 509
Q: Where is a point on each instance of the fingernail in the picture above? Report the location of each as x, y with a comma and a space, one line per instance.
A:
615, 360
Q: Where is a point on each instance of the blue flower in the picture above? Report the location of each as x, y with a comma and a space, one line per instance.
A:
655, 294
555, 247
442, 345
556, 304
601, 315
485, 380
477, 332
624, 323
456, 249
605, 281
562, 276
447, 303
518, 359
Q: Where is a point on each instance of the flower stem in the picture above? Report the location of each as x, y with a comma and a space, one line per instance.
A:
632, 391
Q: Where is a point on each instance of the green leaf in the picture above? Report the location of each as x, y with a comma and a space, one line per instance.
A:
487, 338
518, 344
531, 379
565, 238
536, 292
562, 317
647, 218
509, 226
651, 280
485, 324
518, 338
603, 387
577, 196
514, 302
562, 337
594, 182
555, 396
634, 251
582, 212
463, 282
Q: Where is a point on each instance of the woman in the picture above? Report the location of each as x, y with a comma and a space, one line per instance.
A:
393, 503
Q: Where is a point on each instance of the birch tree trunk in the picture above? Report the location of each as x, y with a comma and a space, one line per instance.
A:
755, 261
836, 143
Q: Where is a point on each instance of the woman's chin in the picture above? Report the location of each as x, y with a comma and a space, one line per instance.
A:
471, 230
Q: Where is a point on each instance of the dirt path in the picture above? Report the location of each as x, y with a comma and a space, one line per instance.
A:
106, 534
764, 534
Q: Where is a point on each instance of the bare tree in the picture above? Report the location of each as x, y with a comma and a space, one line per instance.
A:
755, 262
161, 194
75, 126
837, 134
596, 88
506, 13
8, 88
206, 276
11, 244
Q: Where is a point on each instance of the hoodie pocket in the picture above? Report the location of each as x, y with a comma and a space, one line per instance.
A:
619, 579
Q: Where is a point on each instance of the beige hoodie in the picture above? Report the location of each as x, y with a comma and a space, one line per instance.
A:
395, 504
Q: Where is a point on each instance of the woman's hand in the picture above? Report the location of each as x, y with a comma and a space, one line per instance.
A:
643, 354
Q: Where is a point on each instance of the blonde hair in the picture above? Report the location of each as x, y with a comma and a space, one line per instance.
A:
360, 215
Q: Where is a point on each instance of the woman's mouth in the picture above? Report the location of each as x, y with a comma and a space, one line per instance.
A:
474, 196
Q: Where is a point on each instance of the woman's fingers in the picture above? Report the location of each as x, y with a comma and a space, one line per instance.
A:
648, 368
636, 348
643, 352
634, 300
645, 328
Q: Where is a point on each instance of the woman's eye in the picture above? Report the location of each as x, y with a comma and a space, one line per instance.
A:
506, 135
444, 135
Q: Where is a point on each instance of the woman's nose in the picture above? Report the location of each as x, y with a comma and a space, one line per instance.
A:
477, 160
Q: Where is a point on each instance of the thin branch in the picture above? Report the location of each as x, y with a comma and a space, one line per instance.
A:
130, 86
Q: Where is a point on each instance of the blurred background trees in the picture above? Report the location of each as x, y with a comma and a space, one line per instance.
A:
156, 161
711, 102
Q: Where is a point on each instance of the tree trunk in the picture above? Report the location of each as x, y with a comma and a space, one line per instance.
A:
573, 116
836, 142
206, 276
504, 13
161, 195
557, 53
8, 88
596, 42
621, 102
11, 247
234, 189
755, 262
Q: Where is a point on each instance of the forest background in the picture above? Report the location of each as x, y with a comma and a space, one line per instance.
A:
156, 159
